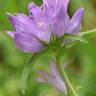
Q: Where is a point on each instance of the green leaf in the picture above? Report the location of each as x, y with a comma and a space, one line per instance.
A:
87, 32
81, 39
78, 37
75, 38
70, 45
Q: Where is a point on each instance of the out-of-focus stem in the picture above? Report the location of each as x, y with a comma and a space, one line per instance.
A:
28, 68
68, 81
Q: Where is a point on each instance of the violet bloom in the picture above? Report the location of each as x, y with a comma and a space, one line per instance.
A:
54, 79
50, 19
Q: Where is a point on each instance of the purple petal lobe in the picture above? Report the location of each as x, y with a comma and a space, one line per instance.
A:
36, 13
34, 9
64, 3
41, 79
49, 3
23, 18
54, 79
23, 25
20, 23
50, 7
56, 3
57, 76
75, 23
27, 43
60, 22
49, 78
40, 21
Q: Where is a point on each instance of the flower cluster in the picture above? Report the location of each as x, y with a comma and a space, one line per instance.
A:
32, 33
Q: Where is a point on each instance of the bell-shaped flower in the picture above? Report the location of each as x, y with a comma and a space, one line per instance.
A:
32, 33
54, 79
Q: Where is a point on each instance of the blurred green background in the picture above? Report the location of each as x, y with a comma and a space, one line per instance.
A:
81, 58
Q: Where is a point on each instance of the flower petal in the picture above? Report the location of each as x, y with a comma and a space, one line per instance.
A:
55, 3
22, 17
75, 23
49, 8
27, 43
41, 79
57, 76
64, 3
20, 23
60, 22
49, 3
34, 9
29, 28
54, 79
35, 13
51, 80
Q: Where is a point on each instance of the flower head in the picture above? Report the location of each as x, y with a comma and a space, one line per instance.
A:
54, 79
50, 19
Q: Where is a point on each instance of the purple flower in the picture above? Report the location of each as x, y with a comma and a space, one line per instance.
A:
50, 19
54, 79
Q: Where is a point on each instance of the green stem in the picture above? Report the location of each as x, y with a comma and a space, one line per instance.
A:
28, 68
68, 81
